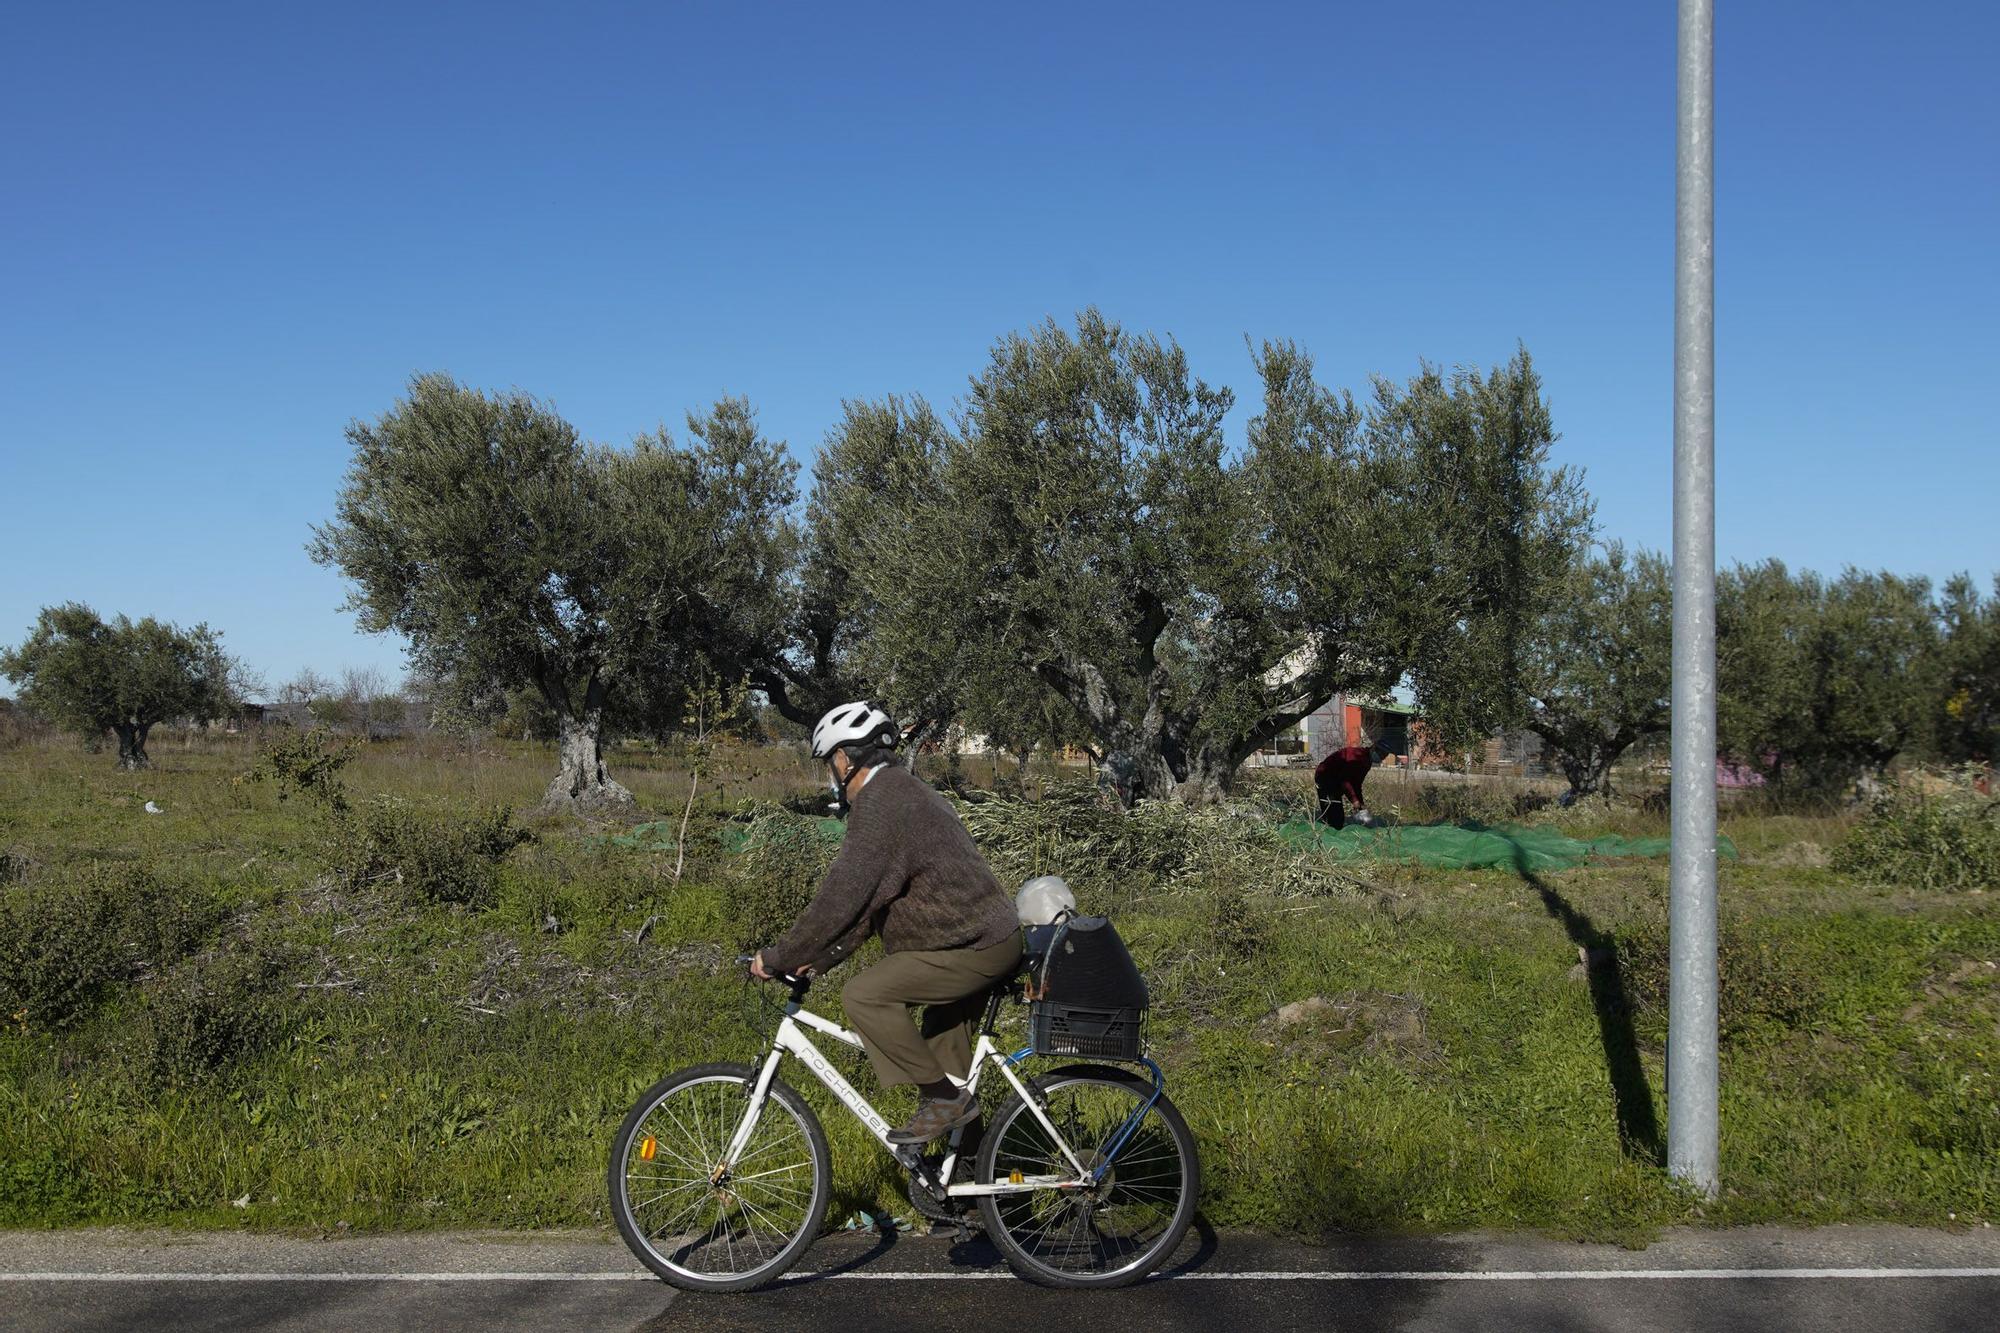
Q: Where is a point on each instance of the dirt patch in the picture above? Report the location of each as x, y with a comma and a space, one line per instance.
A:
1339, 1029
1970, 989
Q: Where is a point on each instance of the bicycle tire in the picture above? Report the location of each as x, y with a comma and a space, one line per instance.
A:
632, 1232
1000, 1229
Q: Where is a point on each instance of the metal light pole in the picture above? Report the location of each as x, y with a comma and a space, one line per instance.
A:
1691, 1012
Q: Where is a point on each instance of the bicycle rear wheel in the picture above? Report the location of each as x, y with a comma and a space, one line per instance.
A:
1108, 1235
695, 1225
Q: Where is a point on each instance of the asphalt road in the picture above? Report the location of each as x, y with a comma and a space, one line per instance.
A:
1840, 1278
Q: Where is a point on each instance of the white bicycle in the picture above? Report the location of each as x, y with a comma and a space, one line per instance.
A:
1085, 1176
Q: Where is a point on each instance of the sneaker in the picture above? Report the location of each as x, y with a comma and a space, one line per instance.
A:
936, 1118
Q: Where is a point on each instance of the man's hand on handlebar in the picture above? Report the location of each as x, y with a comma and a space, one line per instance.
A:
759, 971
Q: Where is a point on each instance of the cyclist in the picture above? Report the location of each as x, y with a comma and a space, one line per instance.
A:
908, 871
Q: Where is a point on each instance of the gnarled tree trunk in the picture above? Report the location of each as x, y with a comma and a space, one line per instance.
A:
1208, 777
582, 786
1134, 772
132, 744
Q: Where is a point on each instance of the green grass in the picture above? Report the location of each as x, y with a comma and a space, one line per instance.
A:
407, 1064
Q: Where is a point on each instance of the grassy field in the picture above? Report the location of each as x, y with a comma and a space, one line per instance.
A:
248, 1010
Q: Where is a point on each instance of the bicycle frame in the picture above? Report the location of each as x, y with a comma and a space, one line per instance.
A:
791, 1038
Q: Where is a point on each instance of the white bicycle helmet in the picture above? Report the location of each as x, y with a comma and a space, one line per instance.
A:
857, 723
1043, 901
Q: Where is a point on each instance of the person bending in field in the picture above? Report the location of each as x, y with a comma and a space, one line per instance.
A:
1338, 778
908, 871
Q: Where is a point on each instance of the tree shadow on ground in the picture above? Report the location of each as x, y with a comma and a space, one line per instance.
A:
1631, 1092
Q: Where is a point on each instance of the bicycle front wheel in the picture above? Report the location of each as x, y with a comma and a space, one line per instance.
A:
696, 1224
1107, 1235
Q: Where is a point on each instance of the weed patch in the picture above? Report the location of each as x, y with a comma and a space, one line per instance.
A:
438, 855
1939, 835
1765, 977
68, 937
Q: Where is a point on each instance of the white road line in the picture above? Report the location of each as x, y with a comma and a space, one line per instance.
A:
1402, 1275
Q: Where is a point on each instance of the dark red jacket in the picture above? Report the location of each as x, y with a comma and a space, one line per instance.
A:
1343, 771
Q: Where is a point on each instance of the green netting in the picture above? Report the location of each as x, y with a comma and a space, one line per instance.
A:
1473, 846
736, 837
1447, 846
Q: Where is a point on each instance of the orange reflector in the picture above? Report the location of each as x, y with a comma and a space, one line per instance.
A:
649, 1148
1013, 1177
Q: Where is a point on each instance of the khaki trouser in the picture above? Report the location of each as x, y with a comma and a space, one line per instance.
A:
951, 984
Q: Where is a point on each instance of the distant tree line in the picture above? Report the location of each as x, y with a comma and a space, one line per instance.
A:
1822, 682
1076, 556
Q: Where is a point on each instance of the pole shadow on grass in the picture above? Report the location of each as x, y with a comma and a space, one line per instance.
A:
1631, 1093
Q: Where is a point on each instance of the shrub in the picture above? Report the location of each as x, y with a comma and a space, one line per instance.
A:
18, 727
1926, 834
306, 762
67, 937
433, 854
211, 1011
1108, 855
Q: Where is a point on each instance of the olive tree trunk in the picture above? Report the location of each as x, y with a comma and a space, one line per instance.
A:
132, 744
581, 785
1585, 755
1135, 772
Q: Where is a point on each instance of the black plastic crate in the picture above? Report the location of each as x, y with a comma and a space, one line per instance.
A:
1101, 1034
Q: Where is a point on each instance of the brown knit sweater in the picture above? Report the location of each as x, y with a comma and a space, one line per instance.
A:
906, 869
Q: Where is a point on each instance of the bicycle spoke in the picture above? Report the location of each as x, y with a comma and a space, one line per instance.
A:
693, 1137
759, 1215
664, 1194
691, 1212
699, 1168
759, 1175
749, 1156
768, 1186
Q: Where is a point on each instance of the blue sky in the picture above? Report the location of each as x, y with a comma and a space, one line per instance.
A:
227, 230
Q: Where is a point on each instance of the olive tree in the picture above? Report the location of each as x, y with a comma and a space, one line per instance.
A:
1598, 668
1968, 725
1086, 523
88, 675
813, 662
1765, 619
1874, 671
511, 554
1824, 682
